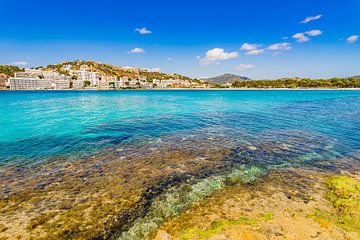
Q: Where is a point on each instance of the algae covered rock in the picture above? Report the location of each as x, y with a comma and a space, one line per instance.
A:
344, 194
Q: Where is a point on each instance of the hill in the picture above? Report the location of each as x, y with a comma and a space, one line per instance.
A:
9, 71
225, 78
111, 70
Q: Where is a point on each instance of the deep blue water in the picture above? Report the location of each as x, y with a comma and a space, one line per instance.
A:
40, 125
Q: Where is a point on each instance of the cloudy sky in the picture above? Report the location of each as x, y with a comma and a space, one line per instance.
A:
262, 39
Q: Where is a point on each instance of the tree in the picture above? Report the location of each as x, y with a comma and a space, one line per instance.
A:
87, 83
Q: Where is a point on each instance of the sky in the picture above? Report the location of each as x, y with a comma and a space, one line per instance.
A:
260, 39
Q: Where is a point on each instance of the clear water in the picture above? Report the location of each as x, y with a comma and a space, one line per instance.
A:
39, 125
138, 158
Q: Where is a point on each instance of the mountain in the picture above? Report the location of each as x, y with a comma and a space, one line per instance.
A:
225, 78
358, 76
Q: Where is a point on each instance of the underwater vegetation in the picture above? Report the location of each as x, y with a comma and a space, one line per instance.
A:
286, 203
218, 226
128, 192
344, 195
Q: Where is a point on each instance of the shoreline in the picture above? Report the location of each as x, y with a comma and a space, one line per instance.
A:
291, 203
189, 89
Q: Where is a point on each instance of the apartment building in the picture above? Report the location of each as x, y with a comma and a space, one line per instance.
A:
38, 73
77, 84
106, 82
92, 77
60, 84
3, 83
29, 83
123, 82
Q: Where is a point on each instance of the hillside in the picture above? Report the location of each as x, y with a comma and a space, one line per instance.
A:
9, 70
111, 70
225, 78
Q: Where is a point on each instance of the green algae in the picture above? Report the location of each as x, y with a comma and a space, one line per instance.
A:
267, 216
177, 199
218, 226
344, 195
215, 228
98, 214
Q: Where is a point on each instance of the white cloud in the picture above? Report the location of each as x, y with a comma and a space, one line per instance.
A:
255, 52
300, 37
311, 18
304, 36
249, 47
252, 49
20, 63
352, 39
137, 50
143, 30
280, 46
314, 33
215, 55
242, 67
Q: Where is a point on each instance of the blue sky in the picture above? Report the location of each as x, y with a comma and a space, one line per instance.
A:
196, 38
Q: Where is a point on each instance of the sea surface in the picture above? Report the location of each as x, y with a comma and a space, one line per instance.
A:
143, 148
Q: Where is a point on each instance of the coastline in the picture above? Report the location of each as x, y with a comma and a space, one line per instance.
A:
189, 89
290, 203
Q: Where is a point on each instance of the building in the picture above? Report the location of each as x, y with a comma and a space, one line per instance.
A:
78, 84
38, 73
3, 83
92, 77
123, 82
60, 84
67, 67
106, 82
29, 84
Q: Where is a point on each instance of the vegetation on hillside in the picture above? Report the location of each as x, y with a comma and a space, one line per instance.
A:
303, 83
10, 70
110, 70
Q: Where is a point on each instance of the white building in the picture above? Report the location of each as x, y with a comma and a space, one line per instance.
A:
67, 67
92, 77
123, 82
29, 83
78, 84
38, 73
60, 84
106, 82
169, 83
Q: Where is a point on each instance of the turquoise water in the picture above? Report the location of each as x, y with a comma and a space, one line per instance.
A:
38, 126
131, 160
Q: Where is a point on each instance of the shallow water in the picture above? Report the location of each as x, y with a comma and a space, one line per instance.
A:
131, 159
